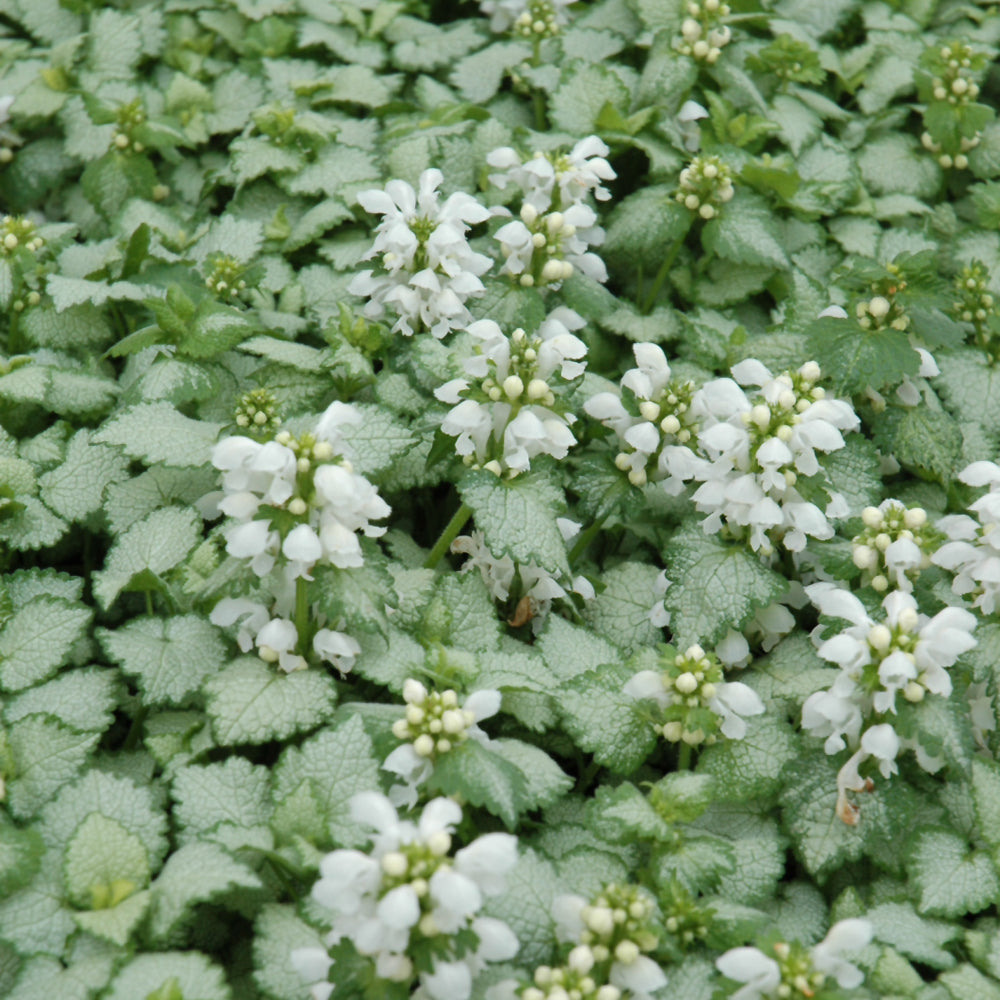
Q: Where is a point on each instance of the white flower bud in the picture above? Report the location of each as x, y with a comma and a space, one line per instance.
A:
916, 517
627, 952
760, 415
414, 692
423, 745
908, 619
414, 715
785, 433
537, 389
529, 214
914, 692
453, 722
581, 959
599, 919
297, 506
879, 638
686, 683
394, 864
872, 517
553, 271
649, 410
513, 386
864, 557
401, 729
439, 843
879, 307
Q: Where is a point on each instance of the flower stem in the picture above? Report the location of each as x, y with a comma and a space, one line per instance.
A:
450, 533
661, 276
684, 757
302, 612
537, 97
604, 509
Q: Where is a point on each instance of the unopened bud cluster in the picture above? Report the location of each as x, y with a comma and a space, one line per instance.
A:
257, 413
779, 418
226, 277
684, 919
609, 936
434, 721
705, 185
548, 232
539, 20
17, 232
886, 639
896, 544
130, 117
670, 411
692, 679
954, 69
975, 304
883, 310
703, 35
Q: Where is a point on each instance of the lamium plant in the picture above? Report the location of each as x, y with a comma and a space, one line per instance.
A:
499, 501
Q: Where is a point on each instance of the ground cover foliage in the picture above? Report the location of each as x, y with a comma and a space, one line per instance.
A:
499, 502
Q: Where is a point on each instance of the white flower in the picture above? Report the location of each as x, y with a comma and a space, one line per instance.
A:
555, 181
654, 440
510, 414
751, 966
757, 447
845, 937
507, 15
429, 269
409, 886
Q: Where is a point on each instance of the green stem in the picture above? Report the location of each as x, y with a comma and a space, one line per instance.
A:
149, 602
135, 732
302, 612
684, 757
14, 334
537, 97
661, 276
606, 506
450, 533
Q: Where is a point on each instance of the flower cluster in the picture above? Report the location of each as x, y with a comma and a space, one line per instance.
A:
511, 412
531, 19
257, 413
653, 419
951, 91
409, 896
296, 502
972, 551
535, 588
696, 701
128, 119
759, 445
611, 936
796, 971
703, 35
549, 240
434, 722
705, 185
975, 304
428, 270
17, 231
226, 277
896, 544
904, 653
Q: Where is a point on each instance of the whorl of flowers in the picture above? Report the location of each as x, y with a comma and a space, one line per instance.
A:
509, 410
758, 445
531, 19
905, 652
703, 35
972, 551
427, 268
976, 304
794, 970
433, 723
297, 500
409, 896
610, 935
653, 420
549, 240
952, 74
896, 544
705, 185
695, 699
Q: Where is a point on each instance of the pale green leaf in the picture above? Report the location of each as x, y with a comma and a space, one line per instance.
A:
620, 612
117, 923
100, 853
604, 721
714, 586
544, 780
35, 920
157, 432
76, 487
921, 939
570, 650
83, 699
377, 442
751, 767
170, 657
155, 544
526, 907
518, 518
195, 873
277, 930
337, 763
253, 702
584, 88
130, 501
745, 233
234, 791
46, 756
194, 975
952, 878
482, 778
461, 613
38, 639
967, 983
894, 164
